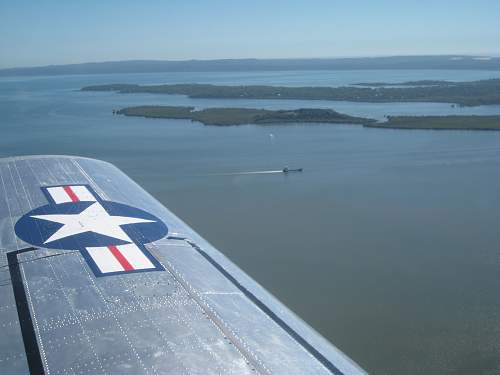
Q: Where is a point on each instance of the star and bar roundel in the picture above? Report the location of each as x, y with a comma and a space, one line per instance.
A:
110, 236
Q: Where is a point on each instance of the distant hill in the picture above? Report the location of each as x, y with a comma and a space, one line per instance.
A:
152, 66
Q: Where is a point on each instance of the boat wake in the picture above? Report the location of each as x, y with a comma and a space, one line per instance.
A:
245, 173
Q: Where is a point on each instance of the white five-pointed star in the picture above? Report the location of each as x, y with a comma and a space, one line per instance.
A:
93, 219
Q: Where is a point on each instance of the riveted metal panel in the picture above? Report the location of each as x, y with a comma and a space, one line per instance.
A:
202, 314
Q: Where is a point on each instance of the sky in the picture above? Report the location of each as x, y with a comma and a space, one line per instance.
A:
44, 32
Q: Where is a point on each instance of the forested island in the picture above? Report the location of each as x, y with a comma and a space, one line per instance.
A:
241, 116
473, 93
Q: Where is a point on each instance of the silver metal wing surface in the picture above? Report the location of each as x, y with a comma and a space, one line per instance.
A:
97, 277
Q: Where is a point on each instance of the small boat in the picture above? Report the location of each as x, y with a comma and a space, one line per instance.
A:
288, 170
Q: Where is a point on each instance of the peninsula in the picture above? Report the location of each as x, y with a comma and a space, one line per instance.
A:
439, 122
473, 93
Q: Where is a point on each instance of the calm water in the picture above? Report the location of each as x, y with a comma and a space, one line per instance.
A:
388, 243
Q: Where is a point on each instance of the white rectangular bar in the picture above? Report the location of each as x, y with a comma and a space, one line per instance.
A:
104, 259
83, 193
58, 194
135, 256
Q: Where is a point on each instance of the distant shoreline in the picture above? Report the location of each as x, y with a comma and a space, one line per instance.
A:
475, 93
429, 62
245, 116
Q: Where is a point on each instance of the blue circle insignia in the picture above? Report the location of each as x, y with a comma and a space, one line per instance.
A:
39, 226
110, 236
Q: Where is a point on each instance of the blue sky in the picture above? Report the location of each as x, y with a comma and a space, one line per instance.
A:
42, 32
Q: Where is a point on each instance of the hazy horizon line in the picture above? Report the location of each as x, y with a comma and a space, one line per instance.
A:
458, 55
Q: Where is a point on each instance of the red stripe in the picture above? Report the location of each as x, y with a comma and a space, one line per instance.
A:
71, 193
120, 258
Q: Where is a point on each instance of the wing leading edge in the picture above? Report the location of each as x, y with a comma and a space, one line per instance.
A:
99, 277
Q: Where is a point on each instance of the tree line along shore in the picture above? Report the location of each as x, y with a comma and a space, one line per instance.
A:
242, 116
485, 92
474, 93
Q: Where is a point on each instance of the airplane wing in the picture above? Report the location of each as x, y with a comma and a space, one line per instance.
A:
97, 277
